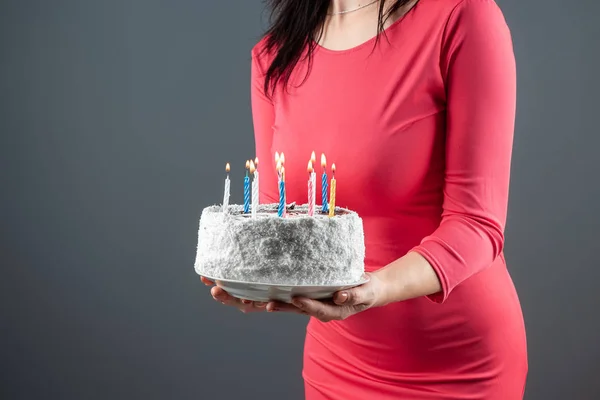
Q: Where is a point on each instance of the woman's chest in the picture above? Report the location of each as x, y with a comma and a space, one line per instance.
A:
380, 121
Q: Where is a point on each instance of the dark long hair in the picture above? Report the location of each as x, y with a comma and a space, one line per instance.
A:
295, 30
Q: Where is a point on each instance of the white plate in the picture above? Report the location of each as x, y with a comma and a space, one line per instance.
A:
265, 292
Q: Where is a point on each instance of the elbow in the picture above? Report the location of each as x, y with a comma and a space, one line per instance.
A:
469, 239
462, 246
489, 233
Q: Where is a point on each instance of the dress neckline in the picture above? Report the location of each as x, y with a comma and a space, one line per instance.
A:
359, 46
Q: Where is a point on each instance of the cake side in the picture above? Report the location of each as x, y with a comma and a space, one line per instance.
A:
296, 250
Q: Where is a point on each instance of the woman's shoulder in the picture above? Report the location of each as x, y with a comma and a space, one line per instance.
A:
259, 46
260, 52
452, 4
447, 9
457, 19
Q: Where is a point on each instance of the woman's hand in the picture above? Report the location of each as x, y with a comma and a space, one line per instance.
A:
406, 278
223, 297
245, 306
344, 304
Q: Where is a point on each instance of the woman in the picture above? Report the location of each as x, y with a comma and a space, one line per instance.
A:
414, 101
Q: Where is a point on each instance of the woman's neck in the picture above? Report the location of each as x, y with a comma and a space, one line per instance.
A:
345, 5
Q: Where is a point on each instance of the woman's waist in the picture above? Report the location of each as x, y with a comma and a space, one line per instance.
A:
480, 316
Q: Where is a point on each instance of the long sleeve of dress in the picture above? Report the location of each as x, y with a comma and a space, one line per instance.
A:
263, 116
478, 66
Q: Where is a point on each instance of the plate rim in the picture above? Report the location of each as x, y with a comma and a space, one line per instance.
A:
364, 279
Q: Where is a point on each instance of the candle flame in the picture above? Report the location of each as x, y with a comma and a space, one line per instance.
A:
276, 157
323, 161
282, 158
252, 167
333, 168
227, 167
313, 157
247, 164
283, 173
310, 167
256, 162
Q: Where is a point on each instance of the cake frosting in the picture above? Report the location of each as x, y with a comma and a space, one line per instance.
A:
296, 250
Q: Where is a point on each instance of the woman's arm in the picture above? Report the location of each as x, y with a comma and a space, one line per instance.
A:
478, 66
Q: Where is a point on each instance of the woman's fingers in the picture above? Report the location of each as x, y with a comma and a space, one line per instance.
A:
278, 306
244, 305
206, 281
220, 295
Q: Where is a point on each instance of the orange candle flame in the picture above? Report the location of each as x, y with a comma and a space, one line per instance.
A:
323, 161
252, 167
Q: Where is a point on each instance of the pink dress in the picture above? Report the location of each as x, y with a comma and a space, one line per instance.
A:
421, 132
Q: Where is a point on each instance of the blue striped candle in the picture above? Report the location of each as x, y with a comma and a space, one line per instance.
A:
281, 209
325, 206
247, 190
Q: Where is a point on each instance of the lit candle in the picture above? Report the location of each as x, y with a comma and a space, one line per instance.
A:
313, 178
311, 190
284, 193
254, 173
278, 169
227, 189
278, 166
324, 184
282, 162
247, 190
281, 209
332, 194
257, 183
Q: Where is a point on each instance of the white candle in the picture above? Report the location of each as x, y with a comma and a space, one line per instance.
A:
227, 190
311, 190
257, 184
313, 178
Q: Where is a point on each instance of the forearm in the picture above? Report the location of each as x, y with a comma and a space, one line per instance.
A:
406, 278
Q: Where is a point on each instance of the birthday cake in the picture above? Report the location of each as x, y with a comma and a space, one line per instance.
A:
281, 243
296, 250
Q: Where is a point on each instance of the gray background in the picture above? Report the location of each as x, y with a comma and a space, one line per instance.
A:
116, 118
